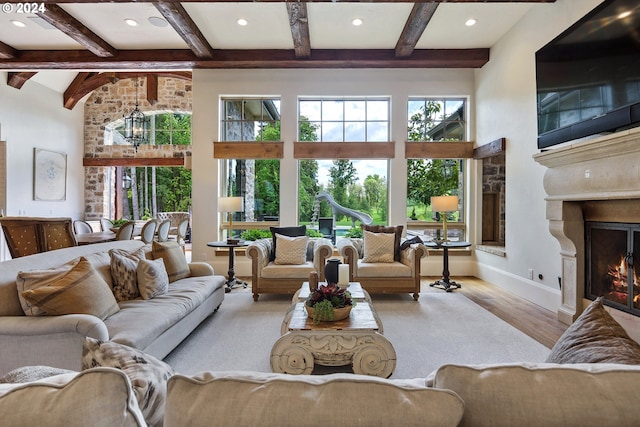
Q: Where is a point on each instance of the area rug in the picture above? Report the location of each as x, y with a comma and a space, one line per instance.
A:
439, 328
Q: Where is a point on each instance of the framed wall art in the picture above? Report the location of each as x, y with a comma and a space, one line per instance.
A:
49, 175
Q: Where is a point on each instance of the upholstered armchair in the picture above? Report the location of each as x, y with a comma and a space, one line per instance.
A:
270, 277
397, 274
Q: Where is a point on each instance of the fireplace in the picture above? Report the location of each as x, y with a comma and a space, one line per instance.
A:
611, 250
592, 181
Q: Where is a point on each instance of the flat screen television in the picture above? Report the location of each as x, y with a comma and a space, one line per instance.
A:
588, 78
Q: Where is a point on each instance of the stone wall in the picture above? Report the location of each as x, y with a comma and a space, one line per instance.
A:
110, 103
493, 181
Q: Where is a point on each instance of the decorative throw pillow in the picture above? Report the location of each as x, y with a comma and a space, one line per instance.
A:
397, 232
378, 247
291, 250
80, 291
152, 278
37, 278
147, 374
123, 274
27, 374
595, 337
285, 231
174, 259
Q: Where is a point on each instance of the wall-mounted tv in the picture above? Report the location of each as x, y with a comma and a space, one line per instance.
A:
588, 78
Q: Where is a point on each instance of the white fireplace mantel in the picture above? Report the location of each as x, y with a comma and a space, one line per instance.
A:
603, 168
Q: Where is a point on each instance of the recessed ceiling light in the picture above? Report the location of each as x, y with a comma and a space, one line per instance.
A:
471, 22
18, 23
156, 21
357, 22
242, 21
131, 22
624, 14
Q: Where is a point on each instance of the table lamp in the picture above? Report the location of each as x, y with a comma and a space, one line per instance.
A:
444, 204
230, 205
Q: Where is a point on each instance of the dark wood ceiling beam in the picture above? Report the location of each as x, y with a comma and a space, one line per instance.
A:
7, 52
301, 1
418, 19
16, 80
180, 20
152, 89
261, 58
59, 18
133, 161
299, 23
85, 83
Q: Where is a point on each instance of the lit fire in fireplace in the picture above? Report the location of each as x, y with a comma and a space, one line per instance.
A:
619, 281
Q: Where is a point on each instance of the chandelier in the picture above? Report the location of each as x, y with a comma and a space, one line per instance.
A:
136, 126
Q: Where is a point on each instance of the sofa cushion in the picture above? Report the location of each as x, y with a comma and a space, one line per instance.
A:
124, 275
105, 394
79, 291
378, 247
153, 279
394, 269
291, 250
595, 337
396, 231
140, 322
301, 271
549, 395
174, 260
285, 231
147, 374
306, 400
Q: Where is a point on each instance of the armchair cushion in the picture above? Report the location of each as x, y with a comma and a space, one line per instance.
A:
378, 247
285, 231
396, 231
291, 250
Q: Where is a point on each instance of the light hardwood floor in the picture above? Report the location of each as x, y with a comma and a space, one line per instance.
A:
535, 321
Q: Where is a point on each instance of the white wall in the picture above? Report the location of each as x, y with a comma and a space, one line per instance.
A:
34, 117
506, 107
209, 85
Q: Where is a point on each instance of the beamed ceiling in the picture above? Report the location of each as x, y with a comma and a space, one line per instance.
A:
91, 41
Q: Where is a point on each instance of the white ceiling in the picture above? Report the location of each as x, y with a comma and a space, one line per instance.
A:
268, 27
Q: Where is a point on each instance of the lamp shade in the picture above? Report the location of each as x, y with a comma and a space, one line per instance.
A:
229, 204
444, 203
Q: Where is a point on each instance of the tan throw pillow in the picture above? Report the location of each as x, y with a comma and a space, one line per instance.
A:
291, 250
123, 274
37, 278
174, 259
147, 374
80, 291
152, 278
595, 337
396, 231
378, 247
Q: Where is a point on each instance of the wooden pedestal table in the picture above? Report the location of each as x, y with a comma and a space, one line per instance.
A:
446, 283
354, 341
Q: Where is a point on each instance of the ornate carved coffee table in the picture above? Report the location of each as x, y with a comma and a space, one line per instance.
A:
355, 341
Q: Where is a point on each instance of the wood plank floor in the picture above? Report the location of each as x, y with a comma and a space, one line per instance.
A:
535, 321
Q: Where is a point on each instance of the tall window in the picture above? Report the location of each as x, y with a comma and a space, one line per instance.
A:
341, 120
435, 119
257, 181
336, 194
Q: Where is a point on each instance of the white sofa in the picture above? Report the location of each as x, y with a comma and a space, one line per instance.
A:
155, 326
523, 395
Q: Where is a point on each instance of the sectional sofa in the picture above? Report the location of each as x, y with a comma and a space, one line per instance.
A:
155, 325
547, 395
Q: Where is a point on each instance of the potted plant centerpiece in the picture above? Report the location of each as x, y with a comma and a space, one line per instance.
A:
328, 302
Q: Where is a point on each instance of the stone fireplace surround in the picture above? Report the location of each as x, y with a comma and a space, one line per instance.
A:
591, 180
